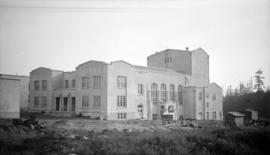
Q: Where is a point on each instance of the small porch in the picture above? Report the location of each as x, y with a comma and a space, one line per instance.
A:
64, 102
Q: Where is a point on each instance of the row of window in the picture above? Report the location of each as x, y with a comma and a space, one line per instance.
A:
85, 83
170, 109
43, 85
96, 100
42, 100
163, 93
73, 83
121, 115
207, 96
96, 82
214, 115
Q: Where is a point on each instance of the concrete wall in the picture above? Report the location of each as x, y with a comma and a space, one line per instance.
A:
137, 75
200, 68
9, 98
215, 104
177, 60
199, 103
193, 104
56, 88
197, 106
195, 63
189, 102
24, 90
90, 69
40, 74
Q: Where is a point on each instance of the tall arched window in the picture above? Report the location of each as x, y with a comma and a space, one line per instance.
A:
180, 94
154, 93
163, 90
172, 92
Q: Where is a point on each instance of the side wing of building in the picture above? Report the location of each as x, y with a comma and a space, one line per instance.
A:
82, 91
203, 103
136, 92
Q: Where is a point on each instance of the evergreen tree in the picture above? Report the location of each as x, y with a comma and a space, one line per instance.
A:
259, 85
229, 91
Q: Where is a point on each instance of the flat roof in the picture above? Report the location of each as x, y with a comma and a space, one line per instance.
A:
5, 78
237, 114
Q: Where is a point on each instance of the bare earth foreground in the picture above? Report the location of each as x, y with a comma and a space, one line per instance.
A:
56, 135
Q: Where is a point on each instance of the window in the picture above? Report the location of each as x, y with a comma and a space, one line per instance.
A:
66, 84
214, 97
121, 115
97, 101
154, 93
85, 102
207, 104
96, 82
121, 82
200, 96
44, 84
36, 101
180, 94
85, 82
73, 104
36, 85
140, 89
167, 59
172, 92
200, 115
140, 108
43, 101
220, 115
163, 96
207, 95
154, 116
170, 109
121, 101
73, 83
214, 115
162, 109
65, 104
207, 116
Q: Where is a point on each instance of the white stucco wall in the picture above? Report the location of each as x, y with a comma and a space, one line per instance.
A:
200, 68
9, 98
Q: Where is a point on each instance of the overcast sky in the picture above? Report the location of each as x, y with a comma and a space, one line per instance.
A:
61, 34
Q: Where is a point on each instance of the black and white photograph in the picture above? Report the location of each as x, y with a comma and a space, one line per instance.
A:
128, 77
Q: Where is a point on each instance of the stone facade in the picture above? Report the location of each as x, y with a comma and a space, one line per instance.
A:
9, 98
119, 90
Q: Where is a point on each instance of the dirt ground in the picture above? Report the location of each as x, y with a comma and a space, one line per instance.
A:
76, 135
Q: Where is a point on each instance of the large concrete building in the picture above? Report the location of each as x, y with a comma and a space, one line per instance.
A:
174, 85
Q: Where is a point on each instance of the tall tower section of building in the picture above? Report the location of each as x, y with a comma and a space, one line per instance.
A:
194, 63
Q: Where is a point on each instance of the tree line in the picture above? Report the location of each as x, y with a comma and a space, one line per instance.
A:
249, 95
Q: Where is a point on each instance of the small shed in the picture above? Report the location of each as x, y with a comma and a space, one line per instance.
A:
9, 98
251, 114
234, 119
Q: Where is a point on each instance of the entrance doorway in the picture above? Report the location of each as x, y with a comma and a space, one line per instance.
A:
57, 105
65, 108
140, 111
73, 104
